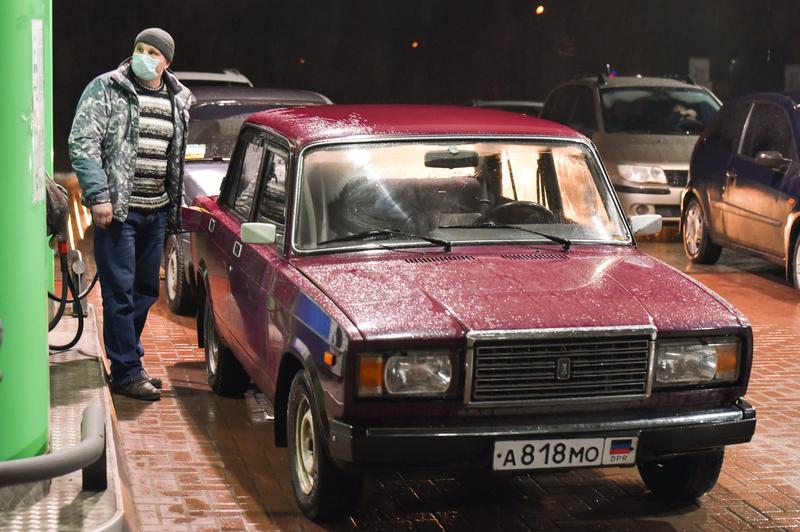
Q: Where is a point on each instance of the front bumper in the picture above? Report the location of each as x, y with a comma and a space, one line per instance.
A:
657, 200
472, 446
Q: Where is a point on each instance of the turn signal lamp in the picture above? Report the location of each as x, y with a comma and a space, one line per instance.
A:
370, 376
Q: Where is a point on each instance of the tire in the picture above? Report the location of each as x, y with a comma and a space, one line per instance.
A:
795, 264
226, 376
682, 478
323, 491
179, 294
696, 241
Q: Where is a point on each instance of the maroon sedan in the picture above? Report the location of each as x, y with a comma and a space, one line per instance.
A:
445, 287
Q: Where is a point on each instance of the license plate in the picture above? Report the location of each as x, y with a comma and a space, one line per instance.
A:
564, 453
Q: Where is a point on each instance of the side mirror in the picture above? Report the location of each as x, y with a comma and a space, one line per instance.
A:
773, 159
258, 233
646, 224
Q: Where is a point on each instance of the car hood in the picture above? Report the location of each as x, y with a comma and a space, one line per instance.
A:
202, 178
444, 296
669, 151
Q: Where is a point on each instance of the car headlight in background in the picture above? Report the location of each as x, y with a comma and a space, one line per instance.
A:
642, 174
405, 373
697, 362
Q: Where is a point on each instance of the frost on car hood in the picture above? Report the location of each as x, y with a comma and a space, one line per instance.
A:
510, 289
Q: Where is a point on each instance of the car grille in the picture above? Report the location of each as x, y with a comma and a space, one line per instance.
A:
677, 178
514, 371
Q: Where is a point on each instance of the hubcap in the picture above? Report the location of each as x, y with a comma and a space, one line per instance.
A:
304, 463
172, 274
693, 229
212, 343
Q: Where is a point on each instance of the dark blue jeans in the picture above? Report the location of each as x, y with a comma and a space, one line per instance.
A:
128, 257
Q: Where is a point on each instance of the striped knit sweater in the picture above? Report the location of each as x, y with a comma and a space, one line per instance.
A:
156, 129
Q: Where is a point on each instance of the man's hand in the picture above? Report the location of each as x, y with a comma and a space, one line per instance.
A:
102, 214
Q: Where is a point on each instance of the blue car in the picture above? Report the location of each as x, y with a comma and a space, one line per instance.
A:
744, 184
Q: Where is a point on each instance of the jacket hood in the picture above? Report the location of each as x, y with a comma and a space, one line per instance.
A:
444, 296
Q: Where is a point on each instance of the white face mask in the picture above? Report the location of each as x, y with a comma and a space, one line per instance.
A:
144, 66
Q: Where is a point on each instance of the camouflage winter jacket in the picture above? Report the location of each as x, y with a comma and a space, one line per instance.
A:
104, 140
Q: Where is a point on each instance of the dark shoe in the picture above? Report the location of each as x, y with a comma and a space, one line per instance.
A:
155, 381
139, 389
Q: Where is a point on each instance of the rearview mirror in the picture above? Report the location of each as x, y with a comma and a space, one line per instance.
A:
258, 233
773, 159
646, 224
451, 159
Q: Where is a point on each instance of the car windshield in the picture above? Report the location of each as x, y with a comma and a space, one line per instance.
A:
657, 110
213, 127
475, 192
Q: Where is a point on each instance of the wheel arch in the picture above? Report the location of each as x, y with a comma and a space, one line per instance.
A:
290, 364
792, 234
202, 294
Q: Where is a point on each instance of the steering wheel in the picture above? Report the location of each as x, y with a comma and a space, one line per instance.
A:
517, 212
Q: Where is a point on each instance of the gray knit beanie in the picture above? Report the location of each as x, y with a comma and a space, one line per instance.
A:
158, 38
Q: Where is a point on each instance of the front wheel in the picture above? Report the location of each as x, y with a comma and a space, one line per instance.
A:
179, 293
322, 490
682, 478
696, 240
796, 263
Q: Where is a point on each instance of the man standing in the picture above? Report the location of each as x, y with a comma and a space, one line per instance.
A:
127, 147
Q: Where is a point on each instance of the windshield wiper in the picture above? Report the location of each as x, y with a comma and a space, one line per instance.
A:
377, 233
565, 243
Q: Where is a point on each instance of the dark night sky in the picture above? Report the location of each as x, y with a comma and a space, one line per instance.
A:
360, 50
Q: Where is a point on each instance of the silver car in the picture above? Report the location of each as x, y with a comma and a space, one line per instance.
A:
216, 118
644, 128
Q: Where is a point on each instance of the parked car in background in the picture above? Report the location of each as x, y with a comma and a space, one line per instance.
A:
744, 184
448, 287
524, 107
645, 129
215, 119
227, 77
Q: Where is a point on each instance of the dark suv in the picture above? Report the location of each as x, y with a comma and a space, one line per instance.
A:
745, 183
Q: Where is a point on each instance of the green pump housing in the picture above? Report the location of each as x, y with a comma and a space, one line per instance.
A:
25, 260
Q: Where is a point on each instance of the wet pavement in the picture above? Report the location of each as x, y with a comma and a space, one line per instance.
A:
196, 461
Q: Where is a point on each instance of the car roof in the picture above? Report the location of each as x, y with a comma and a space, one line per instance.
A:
501, 103
212, 93
228, 76
775, 97
305, 125
636, 81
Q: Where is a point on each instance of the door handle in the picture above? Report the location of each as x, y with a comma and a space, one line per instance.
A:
237, 249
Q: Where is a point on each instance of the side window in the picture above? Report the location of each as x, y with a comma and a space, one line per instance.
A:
272, 206
239, 185
561, 108
726, 128
248, 177
768, 130
583, 114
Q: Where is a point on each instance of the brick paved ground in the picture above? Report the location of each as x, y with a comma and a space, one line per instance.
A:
197, 461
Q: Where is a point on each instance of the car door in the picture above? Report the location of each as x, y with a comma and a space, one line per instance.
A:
756, 200
712, 157
253, 271
236, 201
